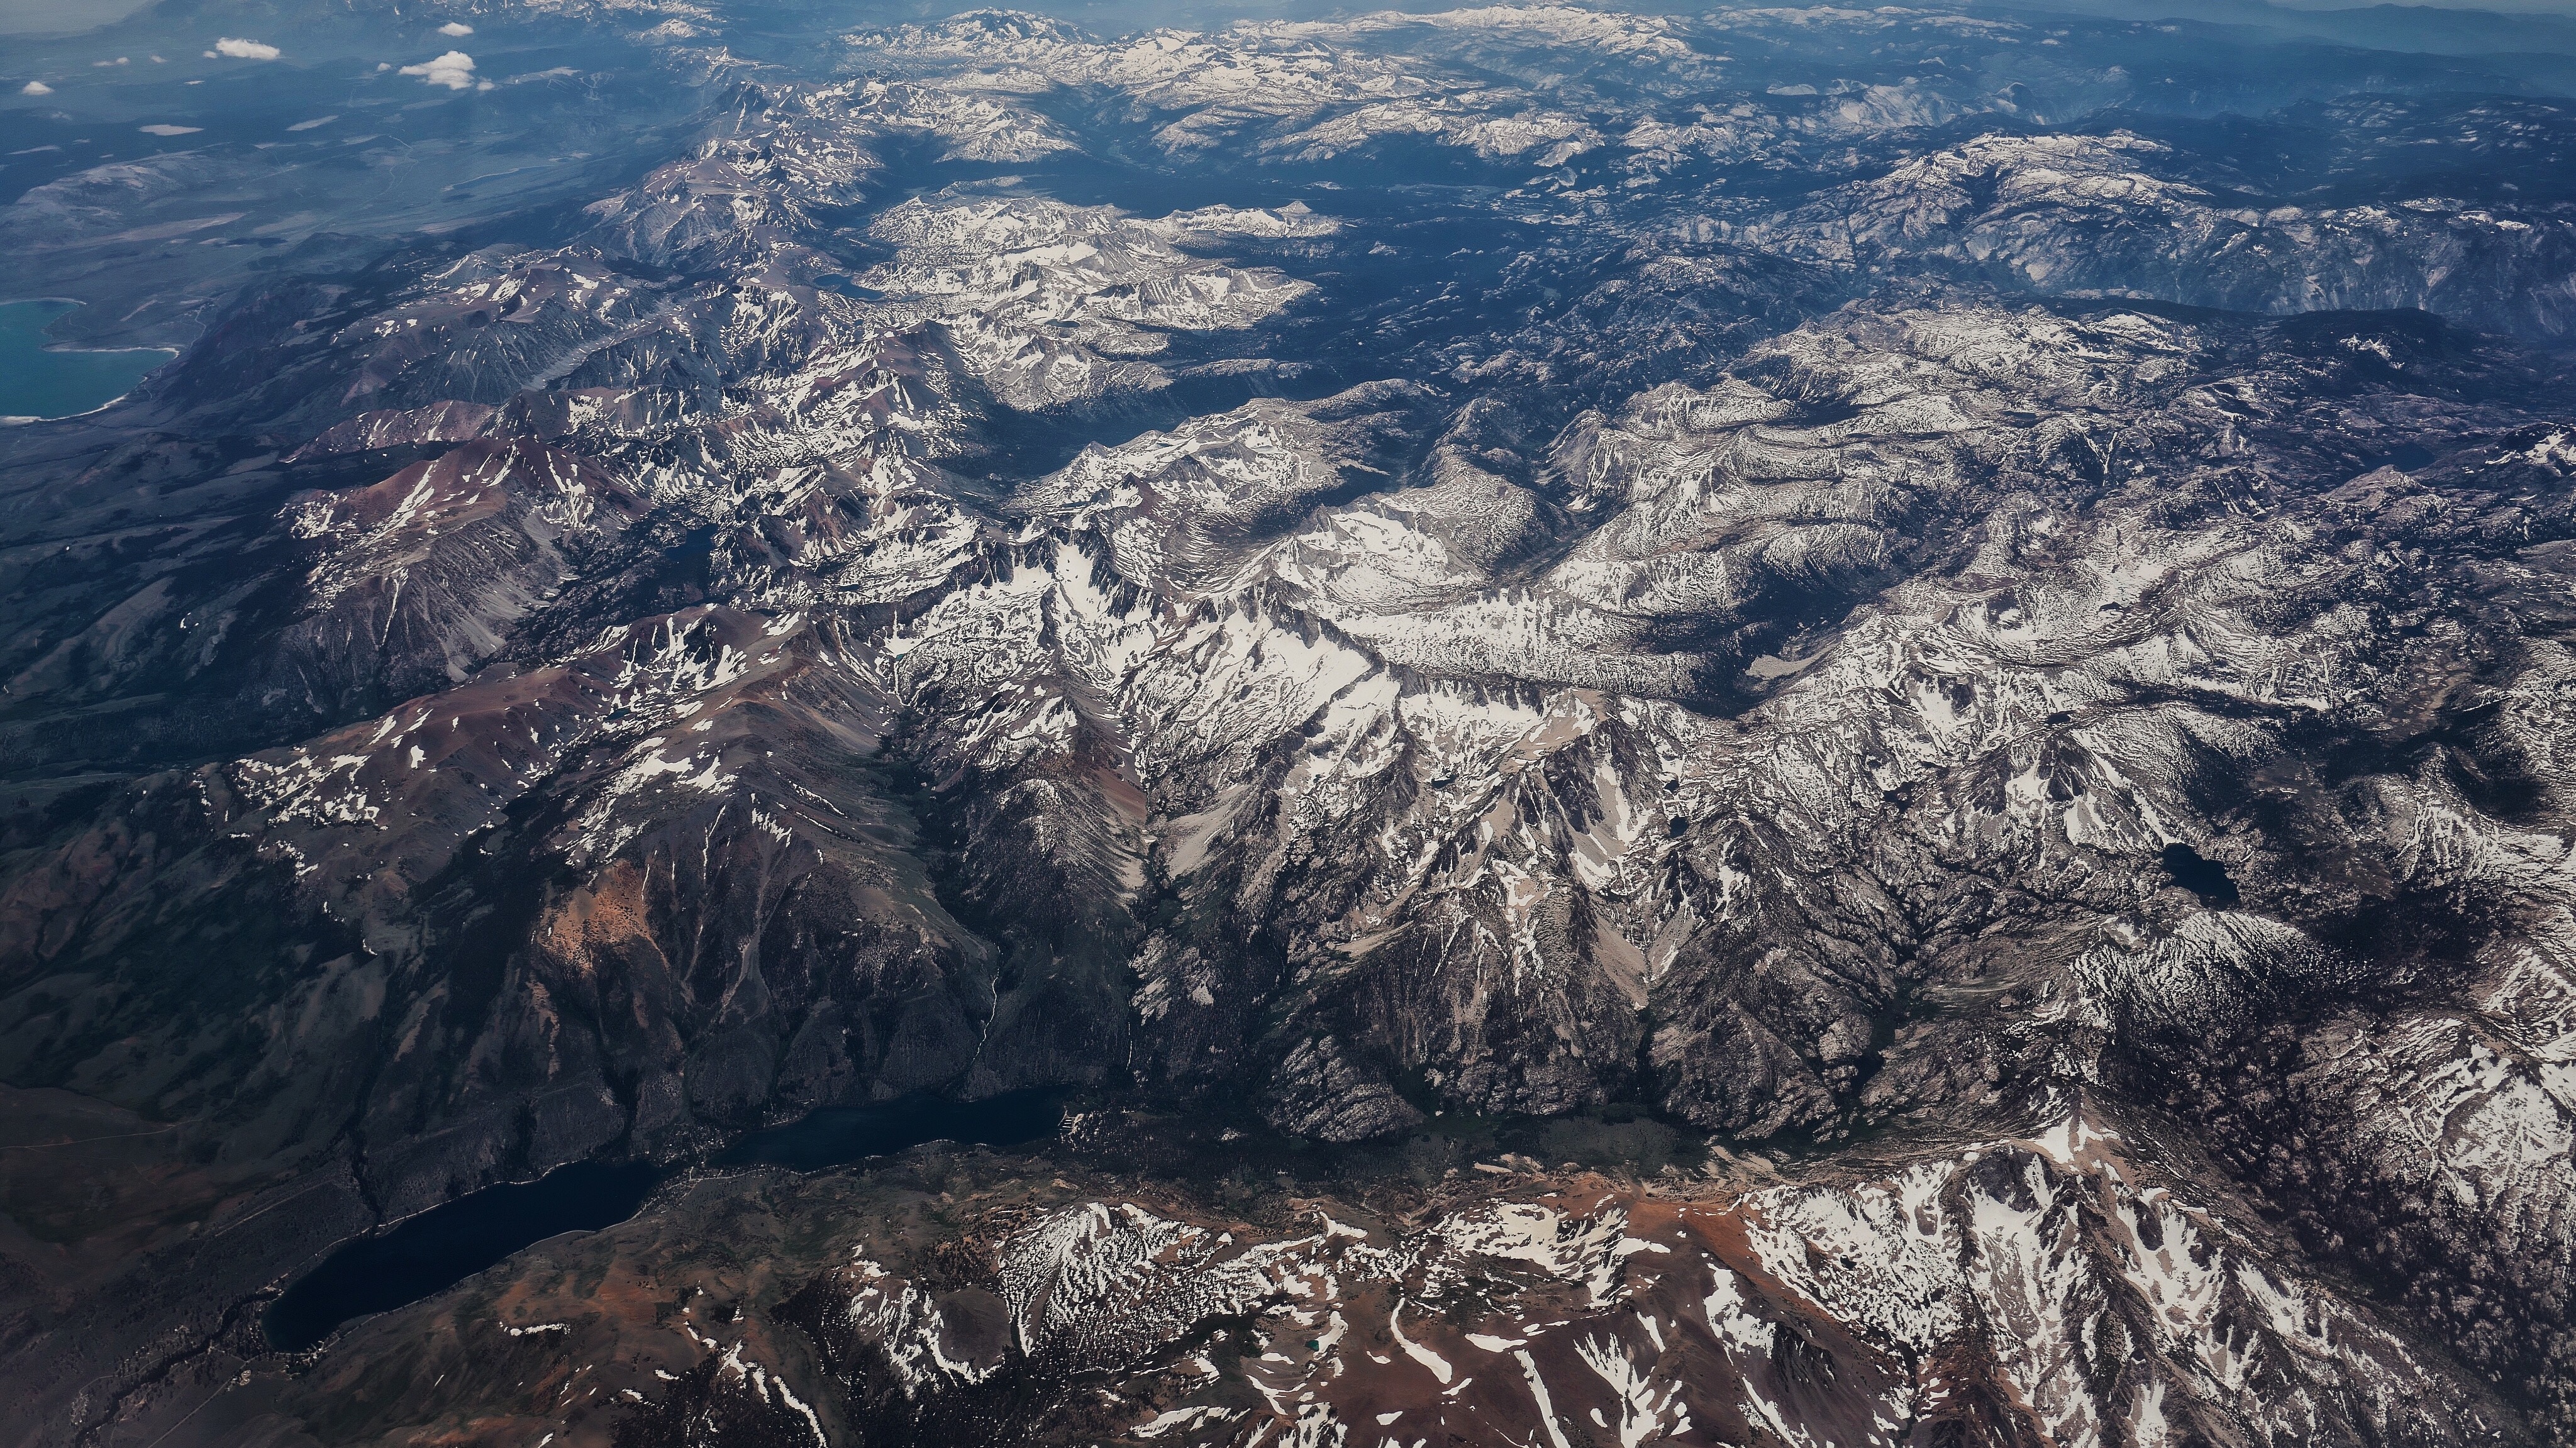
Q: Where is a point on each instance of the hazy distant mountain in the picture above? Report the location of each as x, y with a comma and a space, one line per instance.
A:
1751, 725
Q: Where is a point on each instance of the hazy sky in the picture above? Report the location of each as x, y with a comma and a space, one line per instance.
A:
2538, 7
53, 17
57, 16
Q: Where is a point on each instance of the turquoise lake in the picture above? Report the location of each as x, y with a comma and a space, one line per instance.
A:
39, 382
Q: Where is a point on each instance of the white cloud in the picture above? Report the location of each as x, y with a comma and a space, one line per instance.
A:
35, 88
169, 130
454, 70
455, 28
317, 121
244, 49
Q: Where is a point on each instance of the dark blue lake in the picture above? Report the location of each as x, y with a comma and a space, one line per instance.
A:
840, 1134
429, 1253
2205, 878
445, 1245
40, 382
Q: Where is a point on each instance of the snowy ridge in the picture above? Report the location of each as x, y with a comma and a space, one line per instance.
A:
1514, 560
2033, 1287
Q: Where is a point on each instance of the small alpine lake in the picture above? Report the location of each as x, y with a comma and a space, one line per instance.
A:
426, 1254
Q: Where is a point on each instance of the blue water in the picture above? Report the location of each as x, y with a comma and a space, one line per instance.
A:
445, 1245
40, 382
429, 1253
838, 1134
2206, 878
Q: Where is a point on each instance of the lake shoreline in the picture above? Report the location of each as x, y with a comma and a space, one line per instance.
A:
23, 348
421, 1254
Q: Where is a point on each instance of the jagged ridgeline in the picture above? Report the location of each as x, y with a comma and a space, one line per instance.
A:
1782, 725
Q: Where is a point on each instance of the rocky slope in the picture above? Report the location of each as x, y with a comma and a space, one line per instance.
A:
2028, 1290
1905, 592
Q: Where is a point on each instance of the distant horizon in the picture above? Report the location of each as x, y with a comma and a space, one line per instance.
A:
2307, 12
1200, 723
2556, 8
61, 18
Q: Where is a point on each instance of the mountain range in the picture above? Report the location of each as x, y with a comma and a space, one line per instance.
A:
1791, 725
